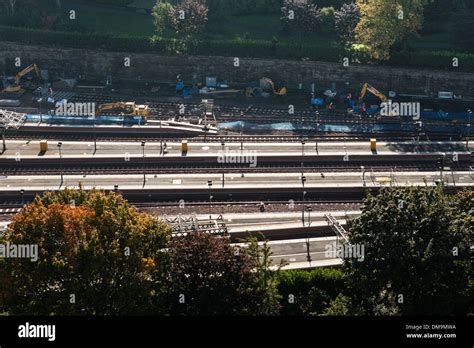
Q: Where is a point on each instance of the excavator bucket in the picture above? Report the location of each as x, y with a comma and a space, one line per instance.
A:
12, 89
281, 92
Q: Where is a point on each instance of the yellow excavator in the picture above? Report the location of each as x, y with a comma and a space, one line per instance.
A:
264, 88
15, 87
267, 85
368, 88
124, 109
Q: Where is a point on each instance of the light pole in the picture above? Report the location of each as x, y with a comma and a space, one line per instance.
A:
316, 138
441, 166
308, 253
419, 129
468, 129
40, 100
317, 131
205, 129
61, 162
223, 178
143, 162
241, 137
362, 168
209, 183
392, 176
3, 126
95, 134
302, 209
309, 209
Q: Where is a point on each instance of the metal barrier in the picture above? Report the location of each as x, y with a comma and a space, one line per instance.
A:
337, 227
181, 226
11, 119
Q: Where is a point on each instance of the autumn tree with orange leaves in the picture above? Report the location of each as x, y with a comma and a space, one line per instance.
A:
96, 255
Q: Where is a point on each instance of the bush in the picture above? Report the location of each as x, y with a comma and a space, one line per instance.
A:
114, 2
242, 7
313, 290
327, 20
433, 59
333, 3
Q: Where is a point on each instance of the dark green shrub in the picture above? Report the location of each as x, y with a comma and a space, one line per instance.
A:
312, 290
232, 48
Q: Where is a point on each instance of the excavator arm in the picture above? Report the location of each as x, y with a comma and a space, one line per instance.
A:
267, 84
368, 88
16, 86
26, 71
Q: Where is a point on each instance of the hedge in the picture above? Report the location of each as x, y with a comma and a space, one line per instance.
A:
74, 39
238, 48
331, 3
434, 59
232, 48
312, 290
243, 7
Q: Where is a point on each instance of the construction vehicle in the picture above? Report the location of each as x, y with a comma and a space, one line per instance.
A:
16, 87
124, 109
267, 85
264, 88
366, 87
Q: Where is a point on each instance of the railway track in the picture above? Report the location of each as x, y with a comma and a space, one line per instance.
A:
261, 114
13, 207
156, 170
155, 196
320, 136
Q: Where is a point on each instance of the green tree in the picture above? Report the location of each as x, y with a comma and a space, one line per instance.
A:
417, 253
384, 23
161, 15
346, 19
209, 276
266, 297
96, 256
340, 306
189, 17
301, 17
328, 20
